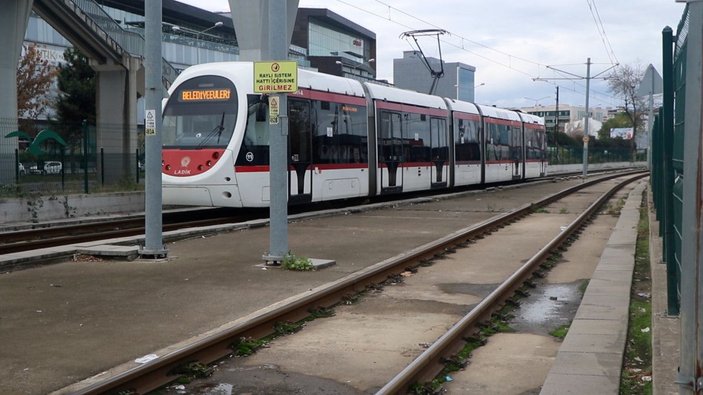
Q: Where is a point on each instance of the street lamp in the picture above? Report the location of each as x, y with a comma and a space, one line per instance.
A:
480, 85
176, 28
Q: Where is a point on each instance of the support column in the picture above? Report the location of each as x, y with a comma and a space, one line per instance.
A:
116, 92
252, 27
264, 31
13, 25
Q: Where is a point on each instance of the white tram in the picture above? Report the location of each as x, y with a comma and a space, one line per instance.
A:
346, 139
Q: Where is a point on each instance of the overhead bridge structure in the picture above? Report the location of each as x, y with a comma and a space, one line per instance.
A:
115, 54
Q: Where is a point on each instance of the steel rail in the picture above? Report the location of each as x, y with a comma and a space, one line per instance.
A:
41, 236
214, 346
428, 364
32, 239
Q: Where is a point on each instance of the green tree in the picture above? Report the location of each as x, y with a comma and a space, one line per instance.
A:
34, 78
620, 120
76, 102
623, 82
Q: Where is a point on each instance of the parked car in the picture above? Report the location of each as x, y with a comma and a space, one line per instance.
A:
32, 168
52, 167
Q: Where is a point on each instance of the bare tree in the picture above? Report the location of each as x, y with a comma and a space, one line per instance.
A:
34, 78
623, 82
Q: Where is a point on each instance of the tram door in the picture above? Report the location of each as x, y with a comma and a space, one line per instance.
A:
516, 152
390, 152
299, 152
440, 152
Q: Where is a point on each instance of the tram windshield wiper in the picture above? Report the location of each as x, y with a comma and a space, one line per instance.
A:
216, 130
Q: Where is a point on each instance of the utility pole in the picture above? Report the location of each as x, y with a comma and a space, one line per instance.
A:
556, 126
153, 237
588, 116
278, 140
588, 79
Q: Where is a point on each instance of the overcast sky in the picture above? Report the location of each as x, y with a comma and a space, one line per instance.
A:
513, 42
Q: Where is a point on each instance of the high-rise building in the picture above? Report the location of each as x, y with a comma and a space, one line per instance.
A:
412, 73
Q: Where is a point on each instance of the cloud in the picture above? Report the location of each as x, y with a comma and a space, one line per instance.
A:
544, 32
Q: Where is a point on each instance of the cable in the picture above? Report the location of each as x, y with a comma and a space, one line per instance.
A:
601, 31
463, 39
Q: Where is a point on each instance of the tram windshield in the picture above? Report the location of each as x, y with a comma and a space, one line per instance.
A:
201, 113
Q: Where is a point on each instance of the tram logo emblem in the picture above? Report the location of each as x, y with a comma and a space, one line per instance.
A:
185, 161
250, 156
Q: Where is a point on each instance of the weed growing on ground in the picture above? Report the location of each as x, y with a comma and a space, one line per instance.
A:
292, 262
637, 365
247, 346
560, 332
191, 371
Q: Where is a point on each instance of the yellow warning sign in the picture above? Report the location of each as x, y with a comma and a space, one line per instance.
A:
275, 77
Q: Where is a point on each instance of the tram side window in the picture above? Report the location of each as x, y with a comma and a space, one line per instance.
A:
390, 137
417, 140
339, 133
440, 145
255, 144
515, 142
498, 142
468, 148
492, 142
534, 141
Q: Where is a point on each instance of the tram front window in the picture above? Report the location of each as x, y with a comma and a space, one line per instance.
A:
197, 130
201, 113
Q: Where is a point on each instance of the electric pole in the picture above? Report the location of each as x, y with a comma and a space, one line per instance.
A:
588, 79
556, 126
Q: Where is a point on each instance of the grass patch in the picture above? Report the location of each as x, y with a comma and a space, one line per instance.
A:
583, 286
191, 371
637, 365
296, 263
247, 346
560, 332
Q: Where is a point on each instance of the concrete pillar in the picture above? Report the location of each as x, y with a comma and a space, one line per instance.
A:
116, 114
251, 24
13, 25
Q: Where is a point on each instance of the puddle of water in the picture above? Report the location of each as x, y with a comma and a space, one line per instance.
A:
548, 306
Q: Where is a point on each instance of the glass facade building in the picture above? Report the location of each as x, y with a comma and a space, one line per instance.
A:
335, 45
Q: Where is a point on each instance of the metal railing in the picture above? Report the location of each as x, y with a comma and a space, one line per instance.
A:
130, 41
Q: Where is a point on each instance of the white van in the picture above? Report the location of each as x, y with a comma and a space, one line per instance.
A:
52, 167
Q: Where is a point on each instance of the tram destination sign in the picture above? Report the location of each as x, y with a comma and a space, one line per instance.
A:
276, 77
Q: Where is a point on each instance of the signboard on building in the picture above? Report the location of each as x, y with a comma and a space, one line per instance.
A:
276, 77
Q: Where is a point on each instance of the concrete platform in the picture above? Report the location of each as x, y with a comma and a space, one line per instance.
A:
591, 356
64, 322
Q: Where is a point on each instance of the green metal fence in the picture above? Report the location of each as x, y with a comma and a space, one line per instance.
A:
667, 176
75, 164
574, 155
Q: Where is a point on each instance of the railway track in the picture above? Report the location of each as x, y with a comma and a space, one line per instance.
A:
52, 236
45, 236
158, 372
